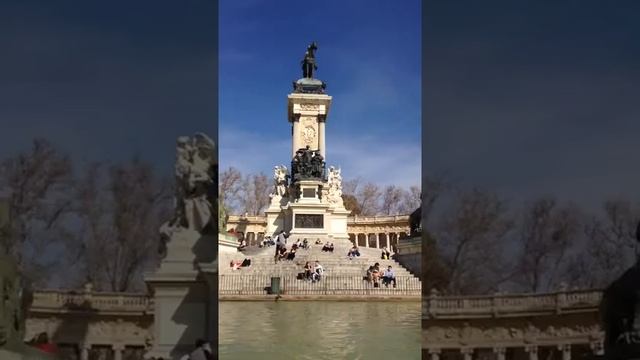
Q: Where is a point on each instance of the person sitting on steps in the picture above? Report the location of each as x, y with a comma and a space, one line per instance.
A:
389, 277
291, 254
375, 274
385, 253
353, 252
318, 271
308, 271
325, 248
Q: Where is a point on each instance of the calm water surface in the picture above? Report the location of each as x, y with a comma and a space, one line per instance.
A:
319, 330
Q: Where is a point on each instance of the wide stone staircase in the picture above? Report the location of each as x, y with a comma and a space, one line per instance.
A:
342, 276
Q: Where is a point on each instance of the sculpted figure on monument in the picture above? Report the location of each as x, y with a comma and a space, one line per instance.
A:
281, 180
317, 165
195, 193
309, 61
307, 164
335, 185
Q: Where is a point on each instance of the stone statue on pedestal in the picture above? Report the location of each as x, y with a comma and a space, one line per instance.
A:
307, 84
195, 190
309, 61
620, 311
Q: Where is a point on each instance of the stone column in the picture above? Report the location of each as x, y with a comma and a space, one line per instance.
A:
434, 354
566, 351
500, 352
294, 137
387, 243
533, 352
377, 240
117, 351
321, 136
467, 353
84, 351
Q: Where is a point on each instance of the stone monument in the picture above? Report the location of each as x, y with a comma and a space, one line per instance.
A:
15, 301
185, 285
307, 199
620, 311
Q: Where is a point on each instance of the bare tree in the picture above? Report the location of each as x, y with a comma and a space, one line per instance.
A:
369, 198
38, 182
351, 204
121, 209
610, 245
391, 198
229, 188
546, 234
470, 234
410, 200
255, 193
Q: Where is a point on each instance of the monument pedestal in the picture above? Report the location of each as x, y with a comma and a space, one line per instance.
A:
183, 296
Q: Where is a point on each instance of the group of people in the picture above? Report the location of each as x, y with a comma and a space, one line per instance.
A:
328, 247
374, 275
314, 272
267, 242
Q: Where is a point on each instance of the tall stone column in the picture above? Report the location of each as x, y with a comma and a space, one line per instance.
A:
377, 240
321, 136
500, 353
294, 138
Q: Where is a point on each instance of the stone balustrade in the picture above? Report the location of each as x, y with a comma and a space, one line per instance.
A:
378, 219
87, 324
558, 325
454, 307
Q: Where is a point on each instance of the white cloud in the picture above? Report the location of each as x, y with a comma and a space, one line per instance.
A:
379, 160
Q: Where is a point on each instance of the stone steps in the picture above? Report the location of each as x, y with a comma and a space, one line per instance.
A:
343, 276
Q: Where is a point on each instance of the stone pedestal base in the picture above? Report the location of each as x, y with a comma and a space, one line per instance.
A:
183, 296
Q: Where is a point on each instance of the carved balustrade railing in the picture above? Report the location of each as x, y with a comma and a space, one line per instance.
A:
437, 307
378, 219
65, 301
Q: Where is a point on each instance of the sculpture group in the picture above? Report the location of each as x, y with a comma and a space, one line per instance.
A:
307, 164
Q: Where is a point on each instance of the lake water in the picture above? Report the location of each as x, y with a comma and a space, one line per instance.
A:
319, 330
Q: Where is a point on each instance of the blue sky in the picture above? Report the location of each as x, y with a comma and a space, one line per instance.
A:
370, 57
534, 97
107, 80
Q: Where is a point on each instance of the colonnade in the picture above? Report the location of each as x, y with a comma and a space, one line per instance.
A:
560, 351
